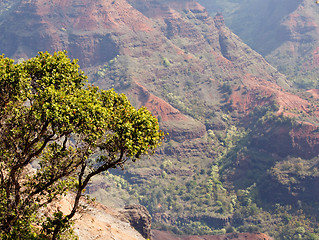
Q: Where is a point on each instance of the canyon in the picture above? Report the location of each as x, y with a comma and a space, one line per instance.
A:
223, 105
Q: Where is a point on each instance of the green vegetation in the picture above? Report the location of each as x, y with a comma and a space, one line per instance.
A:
166, 62
116, 71
224, 181
234, 187
71, 131
302, 76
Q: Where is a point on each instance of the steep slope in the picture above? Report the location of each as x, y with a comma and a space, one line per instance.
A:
285, 32
95, 221
258, 23
298, 55
227, 110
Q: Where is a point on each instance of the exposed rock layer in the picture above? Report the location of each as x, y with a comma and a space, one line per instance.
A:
139, 218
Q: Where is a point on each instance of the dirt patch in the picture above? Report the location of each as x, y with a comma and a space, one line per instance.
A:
98, 222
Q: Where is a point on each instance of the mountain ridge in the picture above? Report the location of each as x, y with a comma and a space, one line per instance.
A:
284, 32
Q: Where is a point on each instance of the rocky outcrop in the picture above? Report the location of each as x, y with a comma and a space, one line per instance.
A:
139, 218
299, 51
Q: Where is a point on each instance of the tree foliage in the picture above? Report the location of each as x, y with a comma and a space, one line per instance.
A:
71, 131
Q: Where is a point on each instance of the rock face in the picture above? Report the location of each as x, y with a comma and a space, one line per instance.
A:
285, 32
262, 31
300, 50
139, 218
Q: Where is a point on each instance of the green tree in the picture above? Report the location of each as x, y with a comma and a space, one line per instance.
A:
72, 131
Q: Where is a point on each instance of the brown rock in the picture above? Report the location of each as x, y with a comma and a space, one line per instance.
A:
139, 218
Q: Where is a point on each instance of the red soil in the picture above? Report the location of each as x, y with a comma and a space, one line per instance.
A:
160, 235
314, 92
157, 106
93, 15
268, 91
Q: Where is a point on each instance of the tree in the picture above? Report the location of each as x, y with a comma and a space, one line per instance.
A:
50, 117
